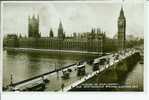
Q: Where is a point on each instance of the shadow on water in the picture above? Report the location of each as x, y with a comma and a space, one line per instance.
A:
55, 55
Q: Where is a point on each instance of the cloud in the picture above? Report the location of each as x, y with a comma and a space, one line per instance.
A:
75, 17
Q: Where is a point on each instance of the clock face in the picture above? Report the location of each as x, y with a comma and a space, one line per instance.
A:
120, 23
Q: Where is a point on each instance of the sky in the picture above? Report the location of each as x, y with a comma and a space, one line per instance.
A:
75, 17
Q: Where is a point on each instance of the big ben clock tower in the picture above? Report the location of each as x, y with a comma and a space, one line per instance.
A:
121, 30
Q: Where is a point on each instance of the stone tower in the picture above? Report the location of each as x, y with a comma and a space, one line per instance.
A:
33, 26
121, 30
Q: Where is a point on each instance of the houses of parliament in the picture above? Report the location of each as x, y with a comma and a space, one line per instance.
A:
93, 41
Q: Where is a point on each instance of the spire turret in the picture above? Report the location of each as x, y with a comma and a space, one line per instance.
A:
60, 31
121, 13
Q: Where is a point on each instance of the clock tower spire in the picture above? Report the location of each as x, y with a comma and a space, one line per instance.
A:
121, 30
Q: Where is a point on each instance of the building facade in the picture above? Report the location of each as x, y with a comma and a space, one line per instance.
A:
89, 41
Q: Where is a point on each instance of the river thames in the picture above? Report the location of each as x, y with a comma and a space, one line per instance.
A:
23, 66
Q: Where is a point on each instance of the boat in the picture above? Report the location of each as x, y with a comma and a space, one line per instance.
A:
39, 85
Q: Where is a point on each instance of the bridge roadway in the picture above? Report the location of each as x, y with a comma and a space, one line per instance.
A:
55, 76
88, 76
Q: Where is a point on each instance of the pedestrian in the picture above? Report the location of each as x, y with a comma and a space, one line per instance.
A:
62, 86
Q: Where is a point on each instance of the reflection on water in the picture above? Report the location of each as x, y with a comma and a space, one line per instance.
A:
135, 78
24, 65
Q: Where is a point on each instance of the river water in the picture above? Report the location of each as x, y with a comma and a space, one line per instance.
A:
23, 66
135, 78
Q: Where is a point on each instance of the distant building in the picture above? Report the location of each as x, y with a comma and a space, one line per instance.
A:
11, 41
33, 27
121, 30
89, 41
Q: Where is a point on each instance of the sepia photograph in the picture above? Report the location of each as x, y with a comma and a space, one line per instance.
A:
72, 46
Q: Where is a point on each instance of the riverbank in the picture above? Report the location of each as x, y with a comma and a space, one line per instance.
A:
54, 53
